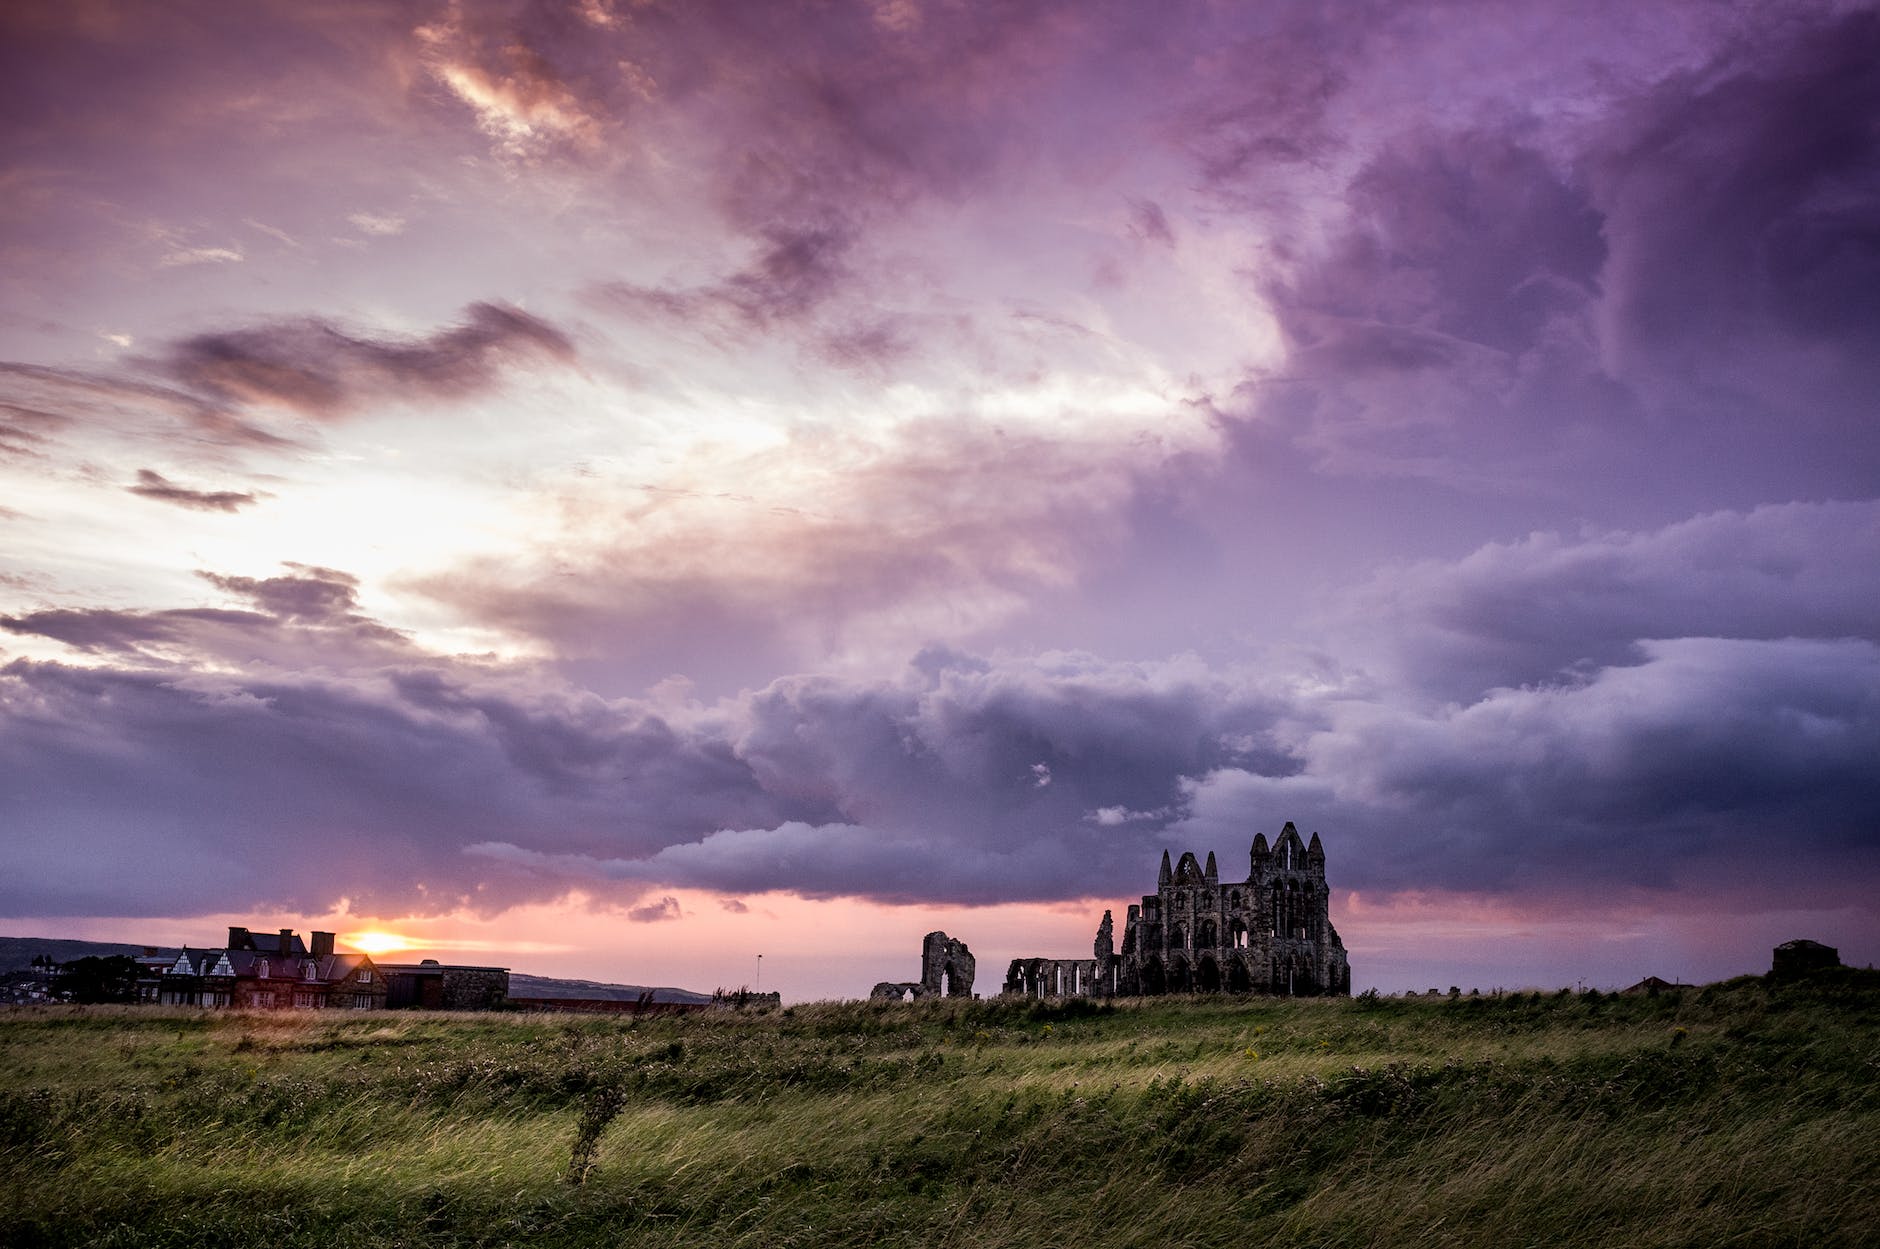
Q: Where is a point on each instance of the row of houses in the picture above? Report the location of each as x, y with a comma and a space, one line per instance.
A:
261, 970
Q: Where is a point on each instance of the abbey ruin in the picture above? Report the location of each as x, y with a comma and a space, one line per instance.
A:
946, 970
1270, 933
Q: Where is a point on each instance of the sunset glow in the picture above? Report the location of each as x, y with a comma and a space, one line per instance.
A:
375, 942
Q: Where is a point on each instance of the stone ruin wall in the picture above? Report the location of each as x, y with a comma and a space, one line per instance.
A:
946, 970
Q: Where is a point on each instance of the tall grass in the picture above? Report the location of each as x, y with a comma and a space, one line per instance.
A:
1739, 1114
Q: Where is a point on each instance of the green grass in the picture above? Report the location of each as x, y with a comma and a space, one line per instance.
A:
1741, 1114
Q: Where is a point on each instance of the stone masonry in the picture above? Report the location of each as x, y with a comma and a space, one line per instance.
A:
1270, 933
946, 970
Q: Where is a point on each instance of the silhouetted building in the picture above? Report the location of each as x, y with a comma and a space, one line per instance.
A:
266, 970
1798, 958
1269, 933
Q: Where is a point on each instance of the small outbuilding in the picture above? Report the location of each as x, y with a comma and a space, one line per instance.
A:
431, 985
1798, 958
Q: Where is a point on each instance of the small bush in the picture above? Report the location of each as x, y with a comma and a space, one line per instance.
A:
599, 1109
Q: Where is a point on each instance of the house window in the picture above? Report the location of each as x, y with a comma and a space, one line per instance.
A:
362, 1001
365, 975
306, 999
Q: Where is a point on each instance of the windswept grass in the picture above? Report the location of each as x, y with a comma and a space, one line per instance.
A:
1739, 1114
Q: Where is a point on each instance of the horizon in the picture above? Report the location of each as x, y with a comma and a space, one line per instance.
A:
634, 487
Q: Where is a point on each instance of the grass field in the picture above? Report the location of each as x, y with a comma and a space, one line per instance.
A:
1739, 1114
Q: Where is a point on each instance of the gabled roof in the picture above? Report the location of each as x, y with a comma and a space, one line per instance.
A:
270, 943
246, 965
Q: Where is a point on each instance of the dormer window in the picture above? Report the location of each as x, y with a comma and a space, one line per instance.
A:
313, 969
261, 968
365, 975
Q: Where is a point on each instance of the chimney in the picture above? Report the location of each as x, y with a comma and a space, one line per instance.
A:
237, 937
287, 942
322, 944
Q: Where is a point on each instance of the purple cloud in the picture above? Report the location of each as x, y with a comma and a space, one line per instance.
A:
449, 783
1552, 609
309, 614
154, 485
667, 908
1740, 202
1687, 771
316, 368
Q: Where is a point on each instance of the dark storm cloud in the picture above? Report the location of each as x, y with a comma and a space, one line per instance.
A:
932, 781
305, 787
1551, 608
1728, 767
376, 776
413, 782
1741, 202
321, 370
1511, 301
1447, 331
154, 485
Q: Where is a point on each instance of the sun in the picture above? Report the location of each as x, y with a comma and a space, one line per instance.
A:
377, 942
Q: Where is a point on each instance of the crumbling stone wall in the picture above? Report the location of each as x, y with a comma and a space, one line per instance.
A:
1056, 977
947, 968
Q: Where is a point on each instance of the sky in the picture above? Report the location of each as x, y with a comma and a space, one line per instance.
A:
623, 488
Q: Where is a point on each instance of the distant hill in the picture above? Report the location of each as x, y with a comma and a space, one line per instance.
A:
17, 954
524, 985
